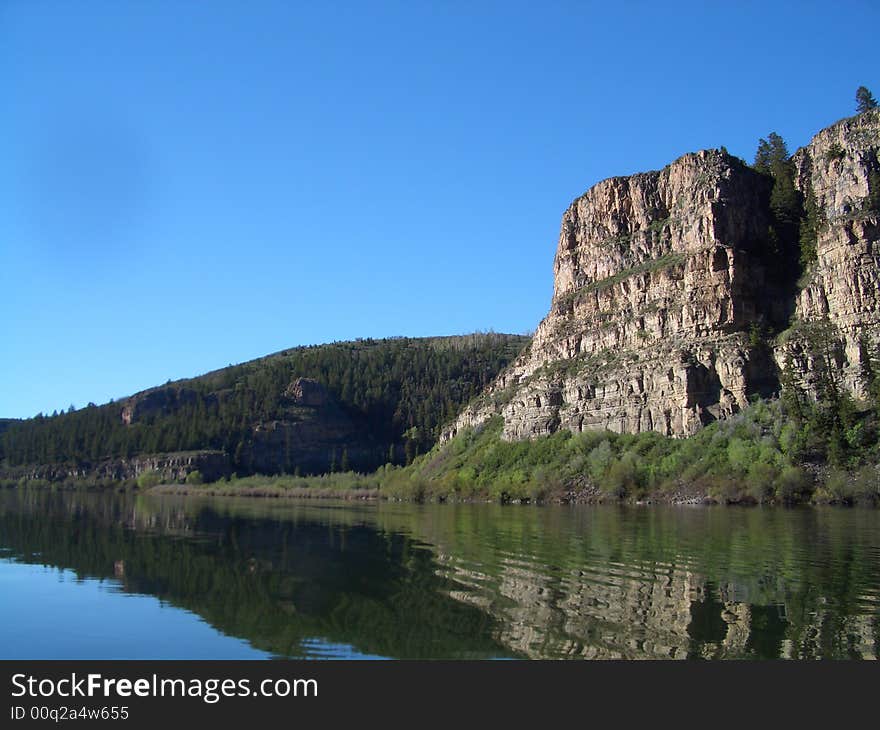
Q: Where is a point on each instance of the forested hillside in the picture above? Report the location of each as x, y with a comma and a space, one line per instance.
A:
345, 405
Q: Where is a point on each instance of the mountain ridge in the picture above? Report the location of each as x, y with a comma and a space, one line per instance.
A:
344, 405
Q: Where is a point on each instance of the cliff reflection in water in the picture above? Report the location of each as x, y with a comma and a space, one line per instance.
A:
469, 581
672, 583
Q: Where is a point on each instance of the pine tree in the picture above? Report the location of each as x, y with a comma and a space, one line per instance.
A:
809, 228
772, 159
864, 100
771, 155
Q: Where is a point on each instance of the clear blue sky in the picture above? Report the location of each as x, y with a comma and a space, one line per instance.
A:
185, 185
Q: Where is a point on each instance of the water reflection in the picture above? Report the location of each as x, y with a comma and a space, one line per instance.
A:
478, 581
291, 586
674, 583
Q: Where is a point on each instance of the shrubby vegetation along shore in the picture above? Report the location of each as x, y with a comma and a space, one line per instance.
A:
768, 454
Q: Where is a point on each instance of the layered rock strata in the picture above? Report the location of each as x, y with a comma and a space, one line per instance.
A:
837, 316
666, 282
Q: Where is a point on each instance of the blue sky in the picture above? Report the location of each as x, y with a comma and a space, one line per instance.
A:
188, 185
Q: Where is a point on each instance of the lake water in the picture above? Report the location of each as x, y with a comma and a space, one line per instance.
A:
87, 575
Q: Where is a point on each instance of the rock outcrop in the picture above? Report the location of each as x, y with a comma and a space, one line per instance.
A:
170, 467
837, 316
156, 402
664, 282
307, 392
314, 435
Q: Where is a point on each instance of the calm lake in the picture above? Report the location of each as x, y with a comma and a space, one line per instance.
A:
87, 575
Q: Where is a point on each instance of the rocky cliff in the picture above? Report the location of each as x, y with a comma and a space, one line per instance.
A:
666, 282
837, 314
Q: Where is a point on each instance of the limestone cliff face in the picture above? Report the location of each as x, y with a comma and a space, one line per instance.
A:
657, 279
661, 276
838, 310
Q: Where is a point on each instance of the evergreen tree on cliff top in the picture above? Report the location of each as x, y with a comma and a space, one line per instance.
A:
771, 155
772, 159
864, 100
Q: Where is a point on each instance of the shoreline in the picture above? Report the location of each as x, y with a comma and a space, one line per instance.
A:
684, 495
678, 499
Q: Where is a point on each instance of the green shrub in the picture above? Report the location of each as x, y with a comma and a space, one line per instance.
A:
545, 482
836, 488
724, 489
622, 477
866, 484
599, 459
741, 454
760, 481
194, 477
793, 440
792, 484
835, 152
149, 479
